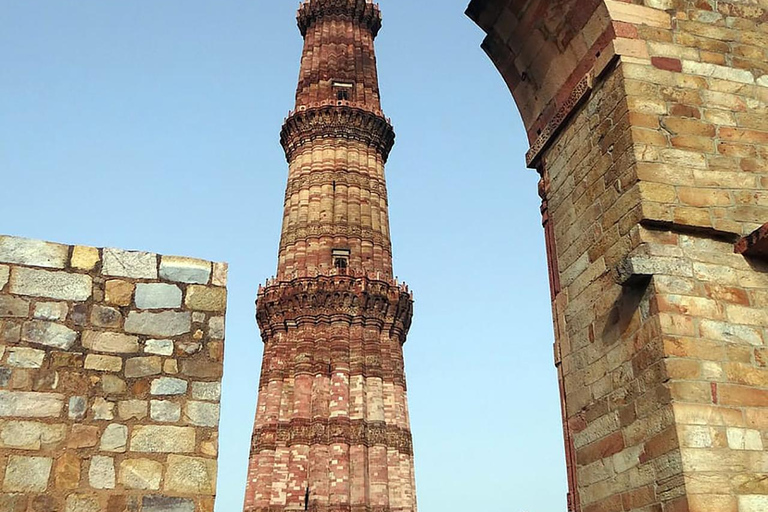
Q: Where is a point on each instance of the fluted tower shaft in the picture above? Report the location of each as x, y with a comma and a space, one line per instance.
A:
332, 414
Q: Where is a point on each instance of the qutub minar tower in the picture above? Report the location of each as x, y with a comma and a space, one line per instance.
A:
332, 416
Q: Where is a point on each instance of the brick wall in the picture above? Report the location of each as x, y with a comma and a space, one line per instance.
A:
110, 371
653, 150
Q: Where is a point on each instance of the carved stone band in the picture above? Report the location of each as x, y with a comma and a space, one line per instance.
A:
337, 122
292, 235
333, 431
360, 10
347, 177
322, 298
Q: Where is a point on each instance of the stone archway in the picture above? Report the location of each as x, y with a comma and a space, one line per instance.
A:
647, 123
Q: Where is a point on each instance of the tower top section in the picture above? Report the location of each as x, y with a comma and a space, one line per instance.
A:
363, 11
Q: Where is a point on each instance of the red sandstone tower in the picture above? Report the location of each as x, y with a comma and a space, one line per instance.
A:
332, 414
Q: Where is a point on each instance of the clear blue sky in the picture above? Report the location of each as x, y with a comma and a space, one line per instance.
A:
154, 125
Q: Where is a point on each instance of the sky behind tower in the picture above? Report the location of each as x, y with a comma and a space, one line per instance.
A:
154, 125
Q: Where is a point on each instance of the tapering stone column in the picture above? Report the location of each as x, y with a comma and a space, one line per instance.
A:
332, 414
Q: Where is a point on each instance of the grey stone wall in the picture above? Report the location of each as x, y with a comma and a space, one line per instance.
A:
110, 379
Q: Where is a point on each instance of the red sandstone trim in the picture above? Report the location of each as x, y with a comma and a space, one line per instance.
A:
337, 298
333, 431
341, 122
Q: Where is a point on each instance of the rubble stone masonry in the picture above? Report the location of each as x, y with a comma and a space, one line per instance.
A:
110, 370
648, 122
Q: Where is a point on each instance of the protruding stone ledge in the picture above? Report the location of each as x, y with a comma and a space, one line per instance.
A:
336, 122
642, 264
326, 298
363, 11
755, 244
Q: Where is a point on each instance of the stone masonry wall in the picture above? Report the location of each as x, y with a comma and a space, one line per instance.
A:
110, 370
653, 151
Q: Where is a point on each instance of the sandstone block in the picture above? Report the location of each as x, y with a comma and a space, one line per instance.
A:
158, 296
136, 265
101, 473
162, 439
132, 409
112, 342
209, 391
66, 474
83, 436
31, 435
159, 347
200, 368
51, 311
5, 272
50, 284
49, 334
119, 292
104, 316
203, 298
216, 328
184, 270
114, 439
24, 404
35, 253
744, 439
82, 503
113, 385
220, 271
191, 475
85, 258
103, 410
22, 357
167, 323
166, 504
753, 503
143, 367
103, 363
143, 474
171, 366
165, 411
27, 474
168, 386
13, 307
730, 333
202, 414
717, 71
